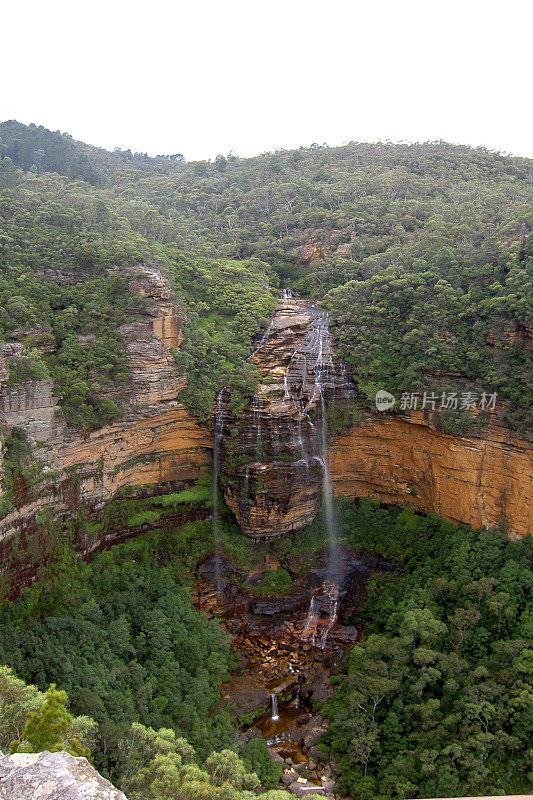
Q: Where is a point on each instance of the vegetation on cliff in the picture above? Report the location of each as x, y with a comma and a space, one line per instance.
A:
423, 255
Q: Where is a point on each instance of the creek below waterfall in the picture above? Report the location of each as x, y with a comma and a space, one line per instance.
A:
275, 656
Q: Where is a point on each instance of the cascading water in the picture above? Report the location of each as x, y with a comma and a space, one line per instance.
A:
274, 716
320, 342
333, 597
286, 385
334, 565
284, 462
219, 432
256, 415
311, 622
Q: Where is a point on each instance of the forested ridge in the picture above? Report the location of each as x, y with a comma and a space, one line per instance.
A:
422, 253
436, 699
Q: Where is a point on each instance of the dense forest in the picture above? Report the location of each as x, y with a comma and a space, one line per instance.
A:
138, 666
434, 701
422, 253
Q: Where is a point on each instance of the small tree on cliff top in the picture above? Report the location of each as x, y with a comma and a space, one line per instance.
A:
46, 729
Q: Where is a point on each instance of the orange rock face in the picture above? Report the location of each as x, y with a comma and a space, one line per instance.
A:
274, 464
157, 442
480, 481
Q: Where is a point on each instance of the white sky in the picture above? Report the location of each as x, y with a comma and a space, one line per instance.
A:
202, 78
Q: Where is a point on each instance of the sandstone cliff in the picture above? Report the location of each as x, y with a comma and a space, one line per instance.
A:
273, 456
273, 463
482, 481
155, 443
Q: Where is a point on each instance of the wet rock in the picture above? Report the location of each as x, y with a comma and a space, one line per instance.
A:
320, 687
278, 605
312, 766
313, 735
328, 784
344, 634
303, 719
246, 693
289, 777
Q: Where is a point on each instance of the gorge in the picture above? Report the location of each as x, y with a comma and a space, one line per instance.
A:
275, 462
212, 539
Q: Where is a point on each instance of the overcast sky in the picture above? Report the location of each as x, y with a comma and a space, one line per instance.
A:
202, 78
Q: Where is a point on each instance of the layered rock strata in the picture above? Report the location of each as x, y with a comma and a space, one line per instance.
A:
156, 442
272, 456
482, 481
273, 463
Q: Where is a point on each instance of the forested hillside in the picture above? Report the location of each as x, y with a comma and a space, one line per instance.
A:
421, 253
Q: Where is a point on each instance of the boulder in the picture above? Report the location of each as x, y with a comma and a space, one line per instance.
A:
302, 788
289, 777
52, 776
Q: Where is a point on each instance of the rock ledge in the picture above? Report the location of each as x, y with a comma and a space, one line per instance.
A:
52, 776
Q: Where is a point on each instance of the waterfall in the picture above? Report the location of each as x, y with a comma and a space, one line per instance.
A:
304, 456
286, 385
262, 341
317, 629
219, 430
333, 595
334, 571
311, 621
256, 415
274, 706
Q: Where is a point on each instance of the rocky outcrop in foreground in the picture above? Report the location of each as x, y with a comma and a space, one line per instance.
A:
52, 776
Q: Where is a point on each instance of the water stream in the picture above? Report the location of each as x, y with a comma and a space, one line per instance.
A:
274, 707
321, 343
334, 567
